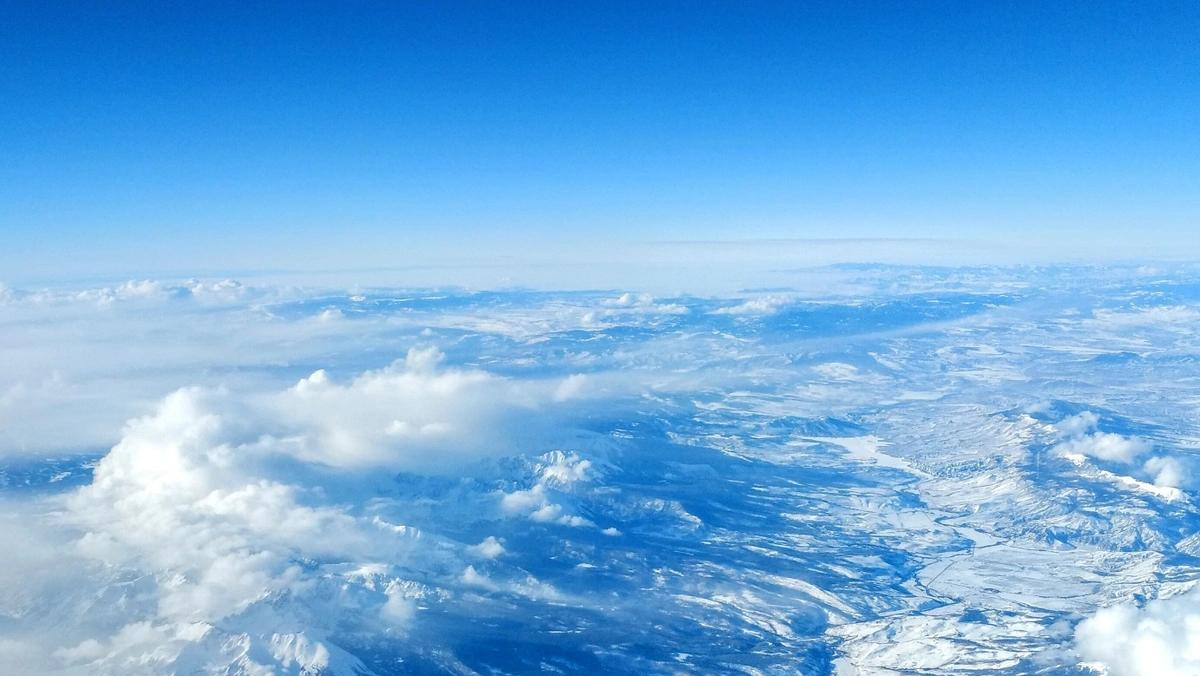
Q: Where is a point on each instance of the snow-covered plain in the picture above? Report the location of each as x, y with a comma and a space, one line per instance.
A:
911, 470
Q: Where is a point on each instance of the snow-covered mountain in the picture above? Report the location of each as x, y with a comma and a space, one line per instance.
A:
909, 470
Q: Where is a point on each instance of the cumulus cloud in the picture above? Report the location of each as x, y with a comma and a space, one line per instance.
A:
641, 303
555, 474
1081, 437
135, 290
1167, 472
410, 415
1106, 446
1160, 639
762, 305
185, 492
217, 505
490, 548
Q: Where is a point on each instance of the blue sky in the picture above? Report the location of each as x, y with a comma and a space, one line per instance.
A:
167, 138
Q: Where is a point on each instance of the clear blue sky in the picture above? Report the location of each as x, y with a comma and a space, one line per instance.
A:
193, 136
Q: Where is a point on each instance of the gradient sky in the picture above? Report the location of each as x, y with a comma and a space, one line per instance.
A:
178, 137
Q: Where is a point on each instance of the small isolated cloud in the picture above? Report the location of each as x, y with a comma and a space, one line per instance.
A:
762, 305
1167, 472
556, 472
1082, 438
631, 300
1160, 639
490, 548
639, 303
474, 578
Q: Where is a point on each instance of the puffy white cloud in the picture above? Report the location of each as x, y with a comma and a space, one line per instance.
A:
630, 300
183, 493
1082, 438
411, 415
490, 548
640, 303
474, 578
1160, 639
1167, 471
217, 501
1106, 446
761, 305
557, 471
330, 314
1078, 425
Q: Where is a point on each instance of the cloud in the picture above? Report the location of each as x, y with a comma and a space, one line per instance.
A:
407, 416
1106, 446
642, 303
490, 548
762, 305
100, 356
1168, 472
181, 493
556, 473
218, 504
1081, 438
1160, 639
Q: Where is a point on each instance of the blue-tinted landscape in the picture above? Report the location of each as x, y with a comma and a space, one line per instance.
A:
368, 338
917, 470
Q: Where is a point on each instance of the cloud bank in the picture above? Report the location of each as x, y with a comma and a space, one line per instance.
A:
220, 510
1160, 639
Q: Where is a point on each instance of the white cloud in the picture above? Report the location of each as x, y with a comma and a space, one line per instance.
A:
639, 303
1168, 472
557, 470
1081, 438
179, 493
1106, 446
217, 502
490, 548
412, 415
474, 578
762, 305
630, 300
1078, 424
1161, 639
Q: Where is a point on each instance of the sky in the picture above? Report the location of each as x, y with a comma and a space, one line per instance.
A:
179, 138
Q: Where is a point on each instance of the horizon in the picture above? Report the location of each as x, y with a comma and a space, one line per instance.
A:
373, 134
378, 338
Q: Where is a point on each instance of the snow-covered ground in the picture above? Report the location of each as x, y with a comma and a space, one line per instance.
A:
913, 470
